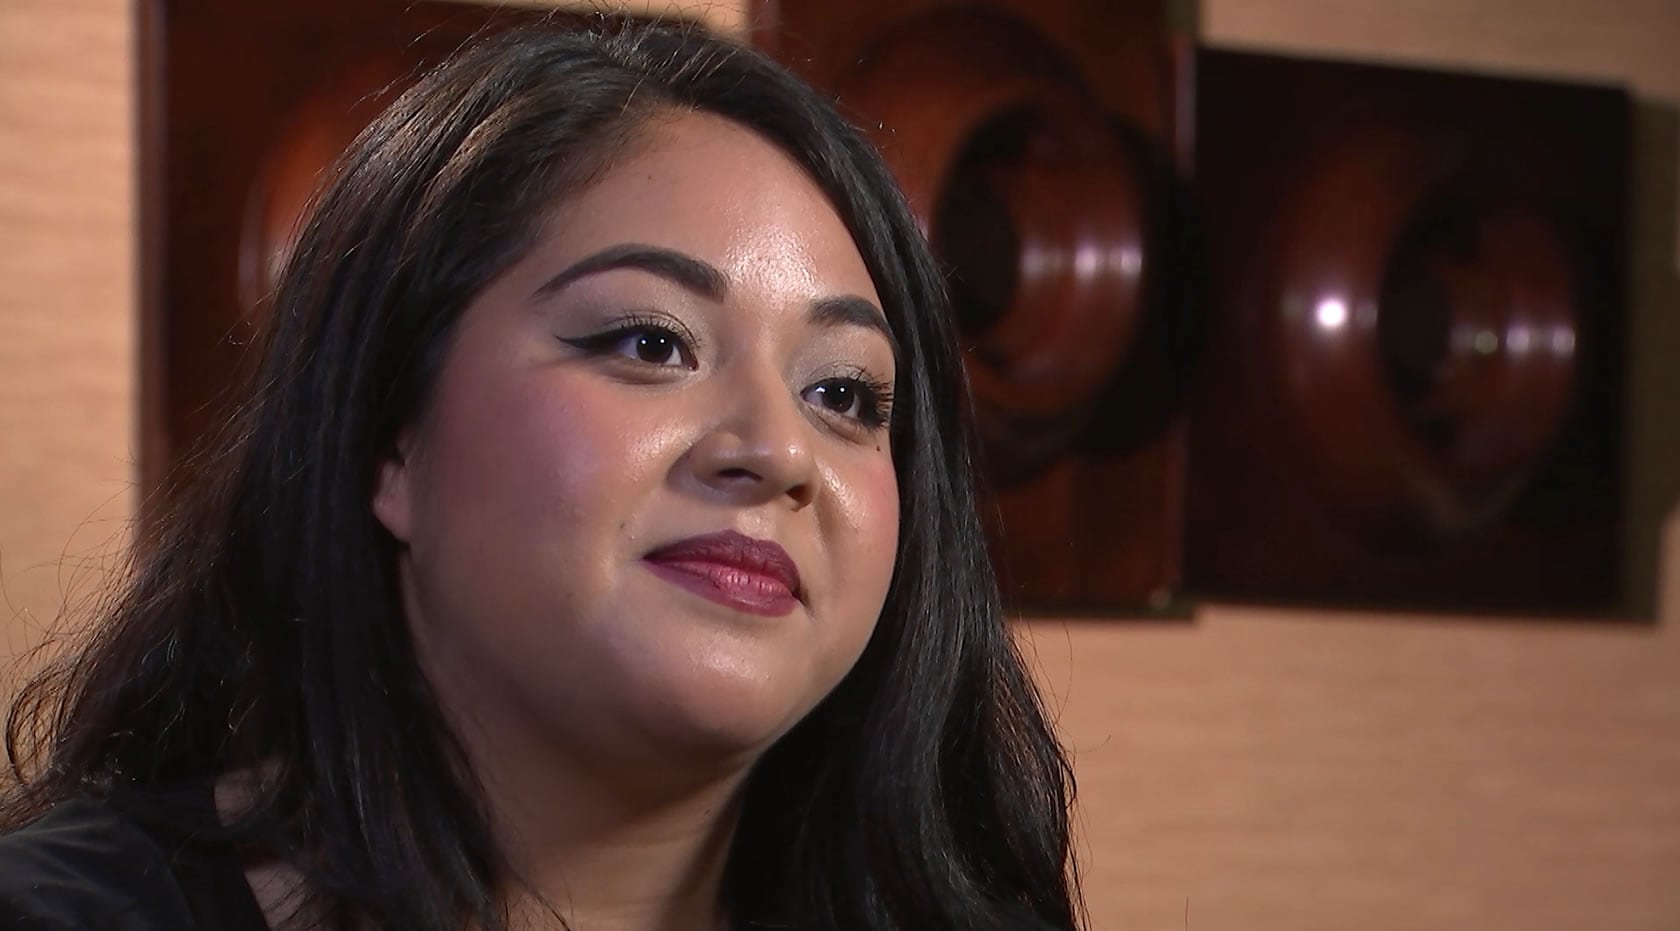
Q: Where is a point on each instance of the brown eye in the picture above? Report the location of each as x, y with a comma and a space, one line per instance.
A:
837, 397
849, 398
648, 344
654, 347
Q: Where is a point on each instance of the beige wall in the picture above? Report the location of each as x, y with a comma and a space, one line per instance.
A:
1277, 771
67, 322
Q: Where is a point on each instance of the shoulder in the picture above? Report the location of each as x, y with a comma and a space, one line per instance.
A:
85, 865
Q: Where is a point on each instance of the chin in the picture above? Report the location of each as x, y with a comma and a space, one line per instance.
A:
726, 715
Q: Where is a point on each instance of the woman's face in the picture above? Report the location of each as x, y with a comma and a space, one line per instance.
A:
650, 512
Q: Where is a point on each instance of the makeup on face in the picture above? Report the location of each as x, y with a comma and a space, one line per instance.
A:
655, 479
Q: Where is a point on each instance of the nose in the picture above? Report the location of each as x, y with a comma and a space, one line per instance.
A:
759, 447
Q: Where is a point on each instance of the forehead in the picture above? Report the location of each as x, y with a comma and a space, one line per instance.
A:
711, 188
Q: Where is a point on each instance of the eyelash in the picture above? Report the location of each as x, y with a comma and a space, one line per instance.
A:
872, 396
608, 342
873, 401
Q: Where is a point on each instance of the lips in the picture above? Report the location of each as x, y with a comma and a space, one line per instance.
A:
731, 569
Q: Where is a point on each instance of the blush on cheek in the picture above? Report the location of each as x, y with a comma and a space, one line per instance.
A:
867, 500
885, 491
867, 504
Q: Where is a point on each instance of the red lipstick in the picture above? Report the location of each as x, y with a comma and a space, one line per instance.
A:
732, 569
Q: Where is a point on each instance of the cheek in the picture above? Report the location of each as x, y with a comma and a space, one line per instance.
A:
532, 490
544, 448
497, 455
881, 490
867, 496
867, 505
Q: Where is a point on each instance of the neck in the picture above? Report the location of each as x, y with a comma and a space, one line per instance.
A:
587, 854
612, 855
598, 834
589, 850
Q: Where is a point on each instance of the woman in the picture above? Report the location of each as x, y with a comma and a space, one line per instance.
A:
597, 549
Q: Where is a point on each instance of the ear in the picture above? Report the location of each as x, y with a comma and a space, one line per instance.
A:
393, 495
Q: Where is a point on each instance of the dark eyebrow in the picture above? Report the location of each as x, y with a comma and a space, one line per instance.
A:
705, 280
851, 310
684, 270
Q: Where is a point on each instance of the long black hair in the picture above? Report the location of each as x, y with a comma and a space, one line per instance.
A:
259, 628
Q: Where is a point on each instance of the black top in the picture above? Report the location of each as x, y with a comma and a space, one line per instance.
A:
86, 865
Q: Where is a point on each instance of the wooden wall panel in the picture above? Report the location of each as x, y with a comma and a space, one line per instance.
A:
1288, 771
